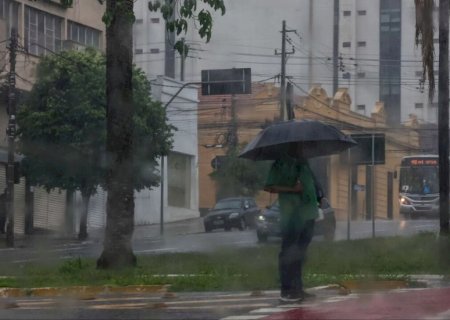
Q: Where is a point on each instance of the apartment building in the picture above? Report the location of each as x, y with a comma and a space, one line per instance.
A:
367, 46
44, 28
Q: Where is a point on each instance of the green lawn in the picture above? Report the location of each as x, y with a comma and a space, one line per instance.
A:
247, 269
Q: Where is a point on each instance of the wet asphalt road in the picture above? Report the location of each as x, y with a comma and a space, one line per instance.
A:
189, 237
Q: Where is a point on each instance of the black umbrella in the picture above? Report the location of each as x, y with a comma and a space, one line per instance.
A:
304, 138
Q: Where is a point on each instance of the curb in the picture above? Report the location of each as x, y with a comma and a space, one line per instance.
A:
82, 292
372, 285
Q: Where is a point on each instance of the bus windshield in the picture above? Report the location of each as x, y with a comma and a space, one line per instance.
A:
419, 180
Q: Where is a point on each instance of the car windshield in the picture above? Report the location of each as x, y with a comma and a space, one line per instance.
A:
228, 204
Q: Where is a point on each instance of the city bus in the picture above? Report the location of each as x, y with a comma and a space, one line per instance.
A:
419, 186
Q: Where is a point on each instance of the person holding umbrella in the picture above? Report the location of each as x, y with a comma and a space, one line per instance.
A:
292, 179
290, 144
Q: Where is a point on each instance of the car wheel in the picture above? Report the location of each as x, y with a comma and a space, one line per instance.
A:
242, 224
329, 229
262, 237
329, 234
406, 216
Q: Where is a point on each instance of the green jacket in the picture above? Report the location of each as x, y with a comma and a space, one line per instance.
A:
296, 208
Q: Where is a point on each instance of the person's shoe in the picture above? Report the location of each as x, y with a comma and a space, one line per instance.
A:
306, 295
290, 298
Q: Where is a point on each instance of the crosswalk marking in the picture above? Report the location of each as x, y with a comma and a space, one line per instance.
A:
245, 317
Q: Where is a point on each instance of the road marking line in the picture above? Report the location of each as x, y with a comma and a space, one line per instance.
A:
7, 249
270, 310
234, 306
154, 250
246, 317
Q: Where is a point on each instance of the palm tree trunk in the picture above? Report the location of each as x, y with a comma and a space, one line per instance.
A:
443, 121
443, 134
117, 251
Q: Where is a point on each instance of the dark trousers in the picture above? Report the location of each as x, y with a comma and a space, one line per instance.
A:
292, 256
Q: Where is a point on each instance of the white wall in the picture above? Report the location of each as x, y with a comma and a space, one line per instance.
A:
182, 113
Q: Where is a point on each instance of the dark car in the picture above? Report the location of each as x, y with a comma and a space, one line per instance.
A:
268, 223
240, 212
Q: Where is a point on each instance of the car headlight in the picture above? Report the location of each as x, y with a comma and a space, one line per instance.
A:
233, 215
261, 218
403, 200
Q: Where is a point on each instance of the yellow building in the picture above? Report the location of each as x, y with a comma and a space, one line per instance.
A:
44, 28
262, 107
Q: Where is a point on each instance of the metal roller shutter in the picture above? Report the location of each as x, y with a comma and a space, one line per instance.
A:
49, 209
19, 201
97, 210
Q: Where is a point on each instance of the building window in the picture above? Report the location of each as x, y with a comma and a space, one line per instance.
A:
3, 8
154, 20
347, 13
346, 44
138, 51
138, 21
154, 50
419, 73
84, 35
434, 105
9, 11
361, 75
361, 43
418, 105
361, 108
42, 32
179, 180
362, 12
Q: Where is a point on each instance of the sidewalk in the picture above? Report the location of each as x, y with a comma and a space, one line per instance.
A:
397, 304
188, 226
334, 302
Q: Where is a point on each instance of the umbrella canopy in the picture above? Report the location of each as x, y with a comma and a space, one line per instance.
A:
304, 138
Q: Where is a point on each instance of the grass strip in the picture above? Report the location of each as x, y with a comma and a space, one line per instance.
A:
255, 268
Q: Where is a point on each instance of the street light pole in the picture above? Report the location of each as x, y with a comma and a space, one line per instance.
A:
11, 132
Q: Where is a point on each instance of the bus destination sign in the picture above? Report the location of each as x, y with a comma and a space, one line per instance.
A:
424, 162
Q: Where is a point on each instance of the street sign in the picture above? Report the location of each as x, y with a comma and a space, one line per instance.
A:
368, 143
217, 162
227, 81
359, 187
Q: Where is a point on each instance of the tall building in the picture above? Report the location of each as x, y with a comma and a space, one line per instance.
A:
371, 51
44, 28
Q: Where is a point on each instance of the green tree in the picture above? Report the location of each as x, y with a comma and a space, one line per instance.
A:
239, 177
119, 18
63, 127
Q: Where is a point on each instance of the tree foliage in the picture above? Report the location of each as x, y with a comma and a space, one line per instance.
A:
425, 39
62, 125
239, 177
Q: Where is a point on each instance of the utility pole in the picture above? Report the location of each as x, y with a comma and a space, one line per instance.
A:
443, 120
11, 133
335, 46
283, 111
232, 136
183, 57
